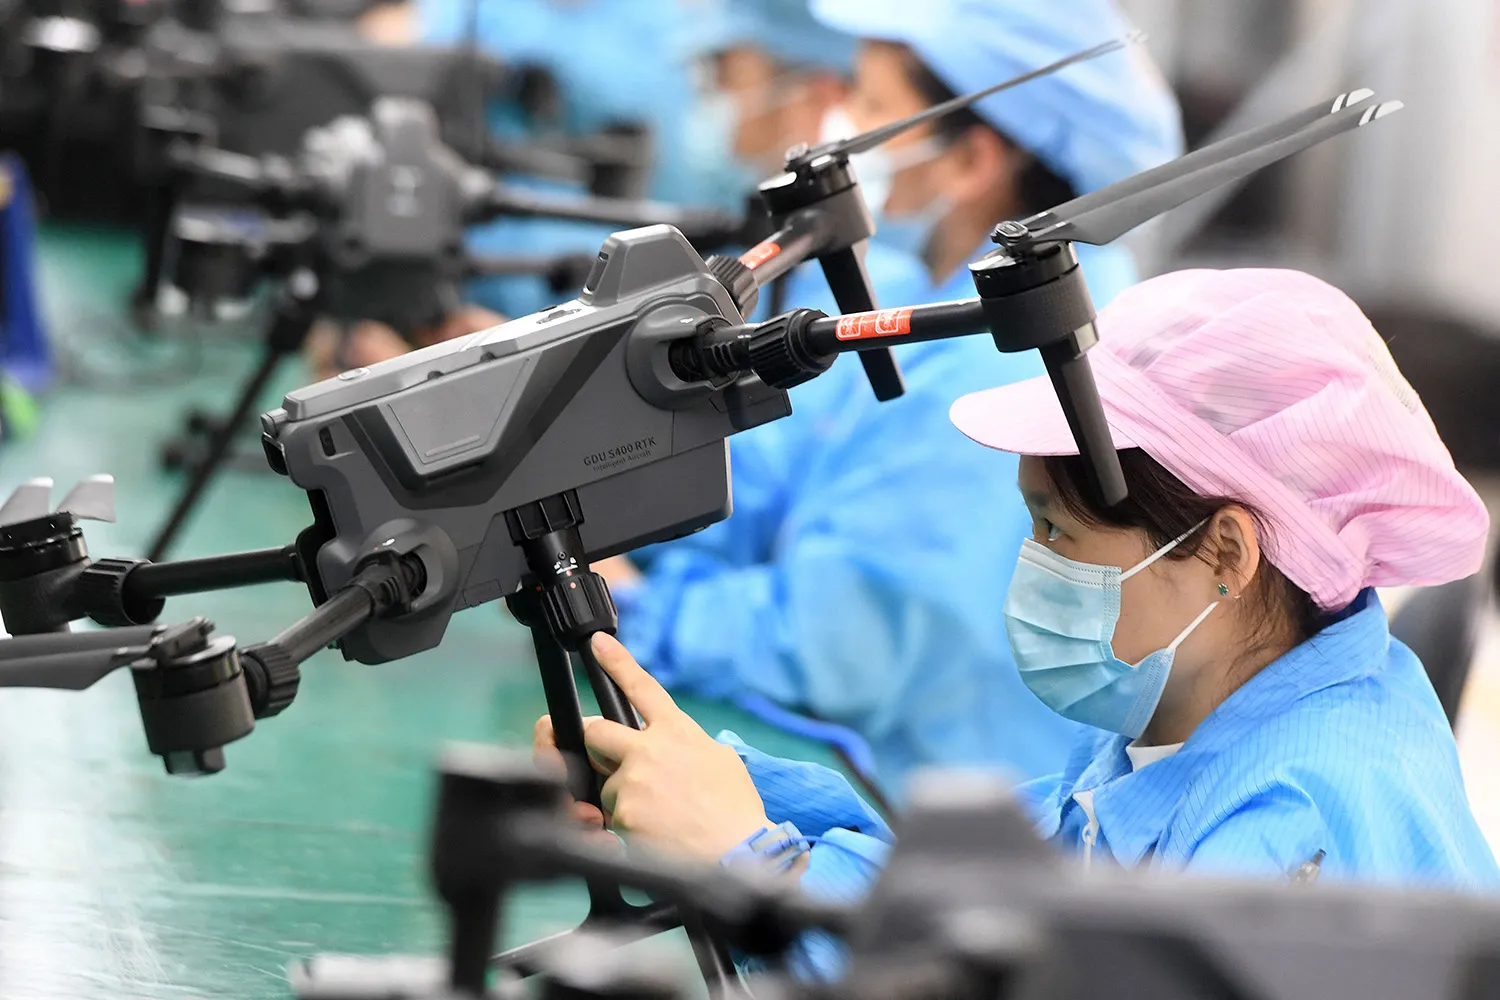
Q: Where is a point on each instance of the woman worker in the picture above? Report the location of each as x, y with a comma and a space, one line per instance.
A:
857, 581
1217, 633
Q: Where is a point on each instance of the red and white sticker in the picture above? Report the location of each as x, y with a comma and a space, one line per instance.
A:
759, 254
869, 325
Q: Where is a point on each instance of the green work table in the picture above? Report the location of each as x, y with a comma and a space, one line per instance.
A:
118, 881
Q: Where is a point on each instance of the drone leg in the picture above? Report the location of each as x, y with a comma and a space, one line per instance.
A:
567, 726
161, 203
294, 318
850, 284
562, 696
565, 613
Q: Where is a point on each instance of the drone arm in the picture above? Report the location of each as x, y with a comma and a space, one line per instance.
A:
781, 252
382, 586
270, 181
217, 164
707, 226
788, 350
153, 581
533, 159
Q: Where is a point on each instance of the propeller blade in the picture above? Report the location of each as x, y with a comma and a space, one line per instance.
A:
869, 140
92, 498
30, 500
73, 670
1107, 214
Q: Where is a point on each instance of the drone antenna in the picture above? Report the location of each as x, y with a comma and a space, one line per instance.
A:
875, 137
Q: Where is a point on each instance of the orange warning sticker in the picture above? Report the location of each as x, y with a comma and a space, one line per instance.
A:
759, 254
882, 323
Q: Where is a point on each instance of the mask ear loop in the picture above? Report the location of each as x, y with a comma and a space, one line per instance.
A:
1172, 646
1132, 571
1181, 636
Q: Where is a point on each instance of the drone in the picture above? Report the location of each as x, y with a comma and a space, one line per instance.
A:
500, 465
367, 222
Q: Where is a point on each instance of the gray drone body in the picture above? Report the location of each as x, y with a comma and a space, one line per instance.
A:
397, 248
426, 453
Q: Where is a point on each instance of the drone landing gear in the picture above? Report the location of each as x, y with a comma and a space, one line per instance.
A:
188, 450
563, 607
294, 317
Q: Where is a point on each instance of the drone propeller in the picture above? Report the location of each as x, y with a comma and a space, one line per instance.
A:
1109, 213
92, 498
866, 141
30, 500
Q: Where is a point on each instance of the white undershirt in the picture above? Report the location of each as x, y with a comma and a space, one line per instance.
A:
1141, 756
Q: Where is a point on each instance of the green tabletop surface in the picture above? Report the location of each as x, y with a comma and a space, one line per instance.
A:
118, 881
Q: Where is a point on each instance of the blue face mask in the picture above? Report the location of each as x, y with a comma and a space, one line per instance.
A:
1060, 615
909, 233
877, 170
709, 147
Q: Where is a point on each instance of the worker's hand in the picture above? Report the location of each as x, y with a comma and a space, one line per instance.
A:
671, 785
550, 759
618, 571
330, 351
466, 320
390, 24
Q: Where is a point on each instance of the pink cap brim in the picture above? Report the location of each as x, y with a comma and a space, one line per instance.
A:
1024, 418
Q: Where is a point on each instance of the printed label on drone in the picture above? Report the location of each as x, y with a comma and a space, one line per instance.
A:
759, 254
881, 323
621, 454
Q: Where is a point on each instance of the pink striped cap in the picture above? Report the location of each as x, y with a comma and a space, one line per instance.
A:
1272, 387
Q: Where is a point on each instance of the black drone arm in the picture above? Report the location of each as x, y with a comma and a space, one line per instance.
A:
798, 240
270, 181
154, 581
704, 226
788, 350
196, 692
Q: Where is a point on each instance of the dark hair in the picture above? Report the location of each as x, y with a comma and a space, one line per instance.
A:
1165, 508
1037, 187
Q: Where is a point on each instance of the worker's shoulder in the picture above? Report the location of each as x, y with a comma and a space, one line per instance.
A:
1374, 734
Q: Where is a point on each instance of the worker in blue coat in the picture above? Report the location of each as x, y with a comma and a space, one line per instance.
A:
855, 584
1217, 633
1081, 129
613, 63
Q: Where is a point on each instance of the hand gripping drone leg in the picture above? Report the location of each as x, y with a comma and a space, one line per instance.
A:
563, 603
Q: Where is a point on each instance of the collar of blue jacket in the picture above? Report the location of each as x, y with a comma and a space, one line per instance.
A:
1341, 743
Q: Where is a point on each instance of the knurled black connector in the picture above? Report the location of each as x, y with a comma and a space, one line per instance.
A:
102, 593
272, 677
779, 353
392, 582
737, 279
542, 517
577, 607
